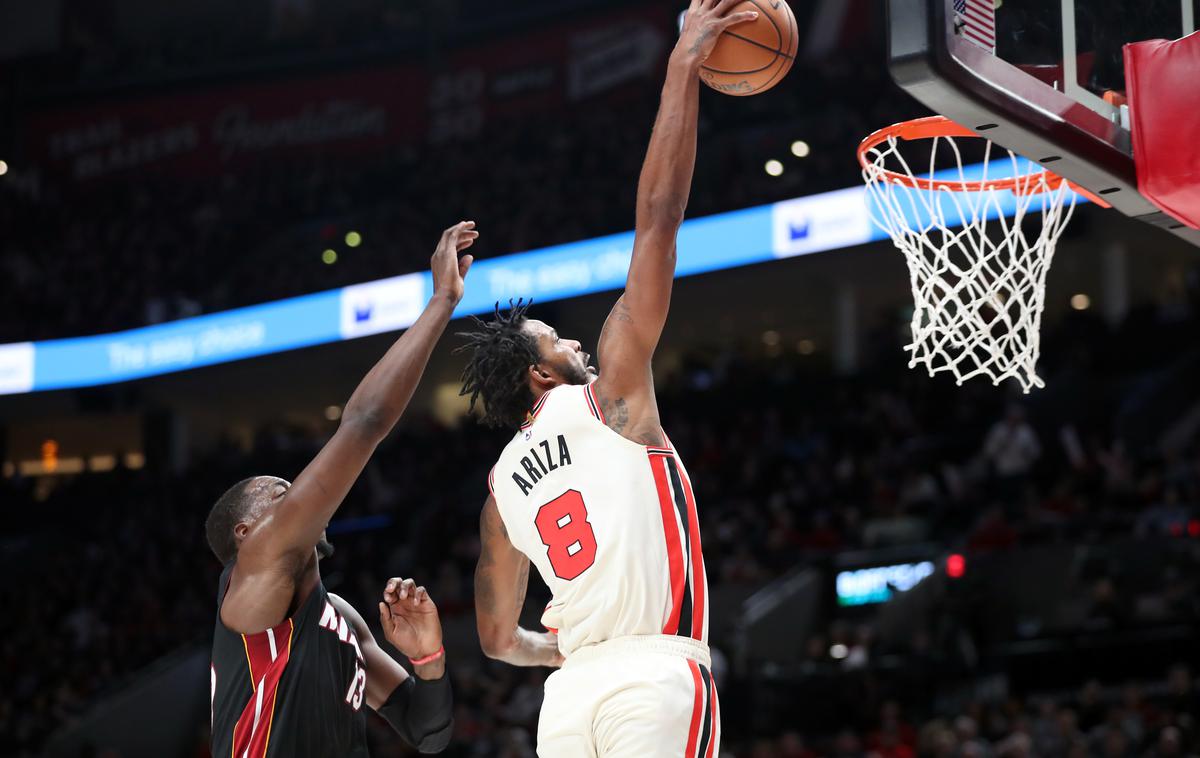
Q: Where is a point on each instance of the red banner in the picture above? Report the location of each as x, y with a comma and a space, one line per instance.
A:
203, 132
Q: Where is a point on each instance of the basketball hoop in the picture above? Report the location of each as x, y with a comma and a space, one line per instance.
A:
978, 276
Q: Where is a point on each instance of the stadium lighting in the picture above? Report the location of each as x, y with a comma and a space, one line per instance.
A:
329, 257
800, 149
773, 167
806, 347
956, 566
1081, 302
838, 651
3, 168
50, 455
770, 338
353, 239
333, 412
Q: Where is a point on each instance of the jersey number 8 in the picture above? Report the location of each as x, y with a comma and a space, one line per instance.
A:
568, 537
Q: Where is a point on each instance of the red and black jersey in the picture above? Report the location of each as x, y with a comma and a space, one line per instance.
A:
295, 690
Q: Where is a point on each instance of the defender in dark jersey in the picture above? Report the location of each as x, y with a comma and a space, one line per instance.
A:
292, 664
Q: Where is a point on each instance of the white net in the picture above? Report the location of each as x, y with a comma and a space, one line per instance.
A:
977, 260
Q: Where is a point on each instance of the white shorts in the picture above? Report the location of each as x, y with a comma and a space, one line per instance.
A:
632, 697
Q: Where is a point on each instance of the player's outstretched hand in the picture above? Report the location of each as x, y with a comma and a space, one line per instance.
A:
703, 24
449, 270
410, 618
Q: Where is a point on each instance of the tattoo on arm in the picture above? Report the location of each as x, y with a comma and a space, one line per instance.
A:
620, 311
619, 314
648, 433
616, 413
486, 577
485, 595
699, 43
485, 598
522, 585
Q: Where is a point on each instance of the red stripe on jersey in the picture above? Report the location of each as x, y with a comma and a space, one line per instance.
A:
532, 415
674, 546
713, 718
252, 732
699, 580
492, 481
697, 711
594, 404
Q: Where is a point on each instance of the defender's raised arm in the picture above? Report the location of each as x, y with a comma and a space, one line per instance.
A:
272, 547
374, 408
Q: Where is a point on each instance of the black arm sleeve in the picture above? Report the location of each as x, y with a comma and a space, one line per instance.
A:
422, 712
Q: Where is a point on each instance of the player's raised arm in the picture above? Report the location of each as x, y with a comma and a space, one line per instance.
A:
374, 408
501, 579
632, 330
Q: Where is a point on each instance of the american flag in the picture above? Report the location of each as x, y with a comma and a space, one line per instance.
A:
976, 21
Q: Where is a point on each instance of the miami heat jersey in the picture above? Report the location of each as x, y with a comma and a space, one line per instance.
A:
610, 525
295, 690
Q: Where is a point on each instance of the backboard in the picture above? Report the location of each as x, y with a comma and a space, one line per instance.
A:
1044, 78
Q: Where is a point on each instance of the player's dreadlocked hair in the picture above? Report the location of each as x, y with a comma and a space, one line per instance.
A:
502, 353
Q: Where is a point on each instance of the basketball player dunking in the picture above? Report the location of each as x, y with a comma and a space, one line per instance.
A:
292, 665
592, 492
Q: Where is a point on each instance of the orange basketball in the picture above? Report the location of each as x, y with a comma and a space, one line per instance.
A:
755, 56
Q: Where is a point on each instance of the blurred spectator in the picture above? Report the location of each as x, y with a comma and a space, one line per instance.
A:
1011, 449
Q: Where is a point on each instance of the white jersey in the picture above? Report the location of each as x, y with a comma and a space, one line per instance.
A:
610, 525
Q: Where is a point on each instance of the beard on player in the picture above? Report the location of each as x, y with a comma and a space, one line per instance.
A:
514, 360
324, 547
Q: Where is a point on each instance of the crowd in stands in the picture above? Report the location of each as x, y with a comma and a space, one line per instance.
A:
100, 46
87, 259
121, 575
110, 571
1144, 719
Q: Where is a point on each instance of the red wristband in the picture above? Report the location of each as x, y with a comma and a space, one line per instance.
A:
441, 651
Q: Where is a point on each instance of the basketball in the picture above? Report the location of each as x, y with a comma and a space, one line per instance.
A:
755, 56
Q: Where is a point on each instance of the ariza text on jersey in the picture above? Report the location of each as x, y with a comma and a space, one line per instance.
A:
543, 458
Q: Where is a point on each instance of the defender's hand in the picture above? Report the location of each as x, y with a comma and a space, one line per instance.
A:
410, 619
703, 24
448, 269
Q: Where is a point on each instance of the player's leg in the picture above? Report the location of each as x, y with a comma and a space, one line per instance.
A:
667, 708
564, 725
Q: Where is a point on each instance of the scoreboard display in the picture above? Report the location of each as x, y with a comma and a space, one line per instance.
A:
878, 584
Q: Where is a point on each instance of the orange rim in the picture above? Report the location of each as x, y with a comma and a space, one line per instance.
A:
933, 127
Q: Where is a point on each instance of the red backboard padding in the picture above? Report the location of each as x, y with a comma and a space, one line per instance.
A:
1163, 82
